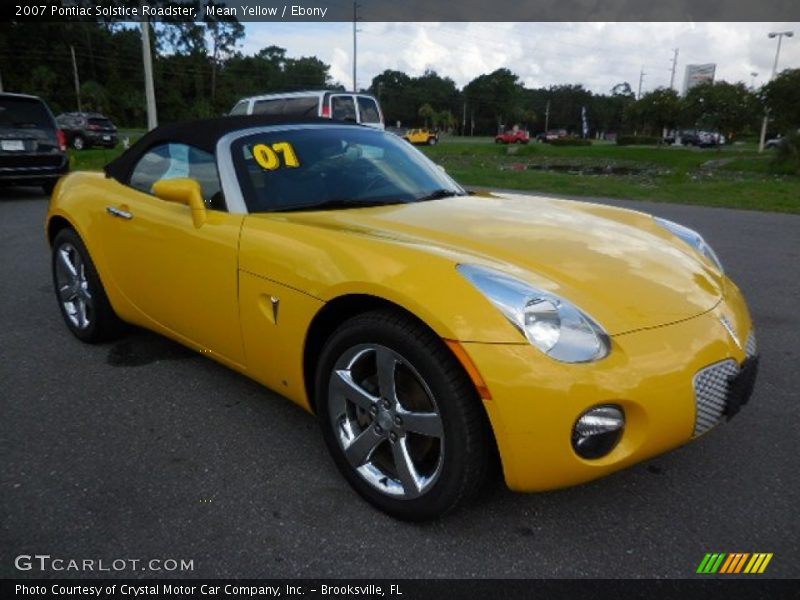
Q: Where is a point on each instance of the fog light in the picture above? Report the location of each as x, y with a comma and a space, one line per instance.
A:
598, 430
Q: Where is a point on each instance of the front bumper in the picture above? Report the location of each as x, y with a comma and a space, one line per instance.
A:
651, 374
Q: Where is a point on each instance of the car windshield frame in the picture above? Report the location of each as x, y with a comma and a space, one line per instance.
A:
240, 190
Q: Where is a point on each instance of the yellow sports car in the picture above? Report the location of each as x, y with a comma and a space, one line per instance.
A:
432, 331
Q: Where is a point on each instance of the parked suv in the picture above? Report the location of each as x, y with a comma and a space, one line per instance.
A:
696, 137
32, 149
343, 106
421, 136
87, 129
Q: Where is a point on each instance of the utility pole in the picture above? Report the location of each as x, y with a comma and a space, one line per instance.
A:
546, 118
75, 75
753, 76
779, 35
641, 78
149, 88
674, 67
355, 47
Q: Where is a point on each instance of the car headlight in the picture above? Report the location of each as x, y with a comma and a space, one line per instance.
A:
691, 237
549, 322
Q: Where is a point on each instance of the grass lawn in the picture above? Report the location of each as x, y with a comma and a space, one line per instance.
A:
734, 176
94, 159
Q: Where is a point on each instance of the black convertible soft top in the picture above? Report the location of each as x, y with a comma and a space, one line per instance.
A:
203, 134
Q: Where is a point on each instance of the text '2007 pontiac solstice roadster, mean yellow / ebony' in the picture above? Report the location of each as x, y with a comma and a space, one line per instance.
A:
431, 330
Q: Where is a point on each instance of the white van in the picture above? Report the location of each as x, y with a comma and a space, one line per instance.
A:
343, 106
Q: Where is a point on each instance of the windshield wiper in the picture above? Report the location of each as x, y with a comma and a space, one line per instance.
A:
339, 203
440, 193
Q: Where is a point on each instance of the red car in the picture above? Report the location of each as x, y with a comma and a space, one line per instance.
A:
513, 137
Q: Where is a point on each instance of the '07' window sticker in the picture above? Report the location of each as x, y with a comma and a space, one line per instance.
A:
269, 156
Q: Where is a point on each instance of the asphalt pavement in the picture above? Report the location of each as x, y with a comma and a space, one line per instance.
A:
141, 449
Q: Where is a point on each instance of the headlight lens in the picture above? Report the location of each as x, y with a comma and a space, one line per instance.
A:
691, 237
549, 322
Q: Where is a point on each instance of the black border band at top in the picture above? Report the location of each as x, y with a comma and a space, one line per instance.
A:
407, 10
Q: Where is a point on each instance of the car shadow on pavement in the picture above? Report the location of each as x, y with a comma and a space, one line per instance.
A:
140, 347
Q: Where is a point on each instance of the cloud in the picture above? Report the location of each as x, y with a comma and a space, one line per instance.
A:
598, 55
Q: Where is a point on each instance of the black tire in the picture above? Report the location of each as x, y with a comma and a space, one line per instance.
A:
79, 143
99, 322
463, 450
432, 141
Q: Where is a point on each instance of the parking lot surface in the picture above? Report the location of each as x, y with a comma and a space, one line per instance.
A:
141, 449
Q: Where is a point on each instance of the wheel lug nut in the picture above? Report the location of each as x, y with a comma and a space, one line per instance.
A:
373, 410
398, 421
378, 429
387, 404
393, 437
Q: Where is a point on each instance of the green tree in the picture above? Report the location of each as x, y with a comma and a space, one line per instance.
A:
43, 81
401, 96
566, 104
307, 72
426, 112
396, 96
224, 33
94, 97
782, 96
729, 108
654, 111
444, 120
493, 99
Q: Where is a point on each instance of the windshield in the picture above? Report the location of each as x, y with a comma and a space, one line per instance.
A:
24, 113
334, 167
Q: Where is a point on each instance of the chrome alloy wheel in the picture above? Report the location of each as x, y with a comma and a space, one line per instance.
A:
386, 421
73, 287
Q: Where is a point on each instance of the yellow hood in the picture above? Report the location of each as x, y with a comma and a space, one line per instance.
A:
617, 265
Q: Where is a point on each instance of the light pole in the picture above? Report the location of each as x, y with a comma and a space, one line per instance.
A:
355, 47
772, 35
753, 76
149, 88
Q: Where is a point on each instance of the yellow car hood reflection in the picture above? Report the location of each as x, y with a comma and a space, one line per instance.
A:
618, 265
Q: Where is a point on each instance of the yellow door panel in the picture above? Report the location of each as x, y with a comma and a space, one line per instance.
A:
182, 277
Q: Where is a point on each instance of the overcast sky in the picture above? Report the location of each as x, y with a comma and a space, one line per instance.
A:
598, 55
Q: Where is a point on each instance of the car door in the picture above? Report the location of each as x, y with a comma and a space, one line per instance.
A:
179, 276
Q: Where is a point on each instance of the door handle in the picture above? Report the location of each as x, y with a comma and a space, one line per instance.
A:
118, 212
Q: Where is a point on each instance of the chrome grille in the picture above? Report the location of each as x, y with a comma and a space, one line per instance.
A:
711, 389
751, 348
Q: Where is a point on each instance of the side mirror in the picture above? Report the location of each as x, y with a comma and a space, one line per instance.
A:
183, 191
